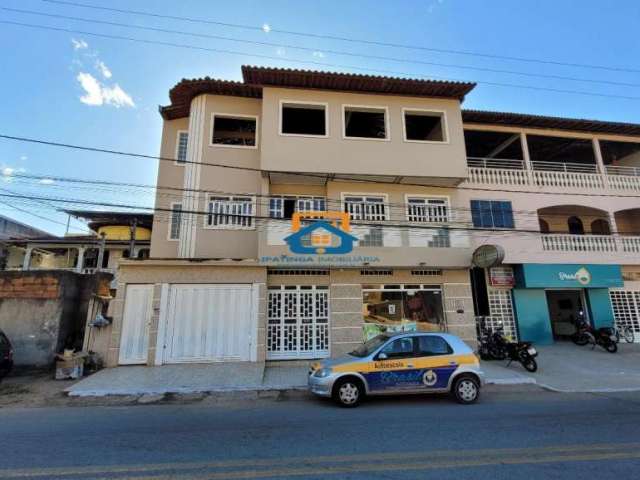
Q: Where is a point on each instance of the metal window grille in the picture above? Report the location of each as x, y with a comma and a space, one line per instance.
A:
297, 271
303, 204
626, 309
376, 272
176, 217
426, 273
183, 139
366, 208
298, 322
427, 210
231, 212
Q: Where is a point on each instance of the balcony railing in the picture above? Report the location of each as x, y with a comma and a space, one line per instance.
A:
578, 243
553, 175
630, 244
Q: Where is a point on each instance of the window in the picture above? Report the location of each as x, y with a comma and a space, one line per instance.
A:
230, 212
174, 224
424, 126
429, 345
285, 206
365, 122
575, 226
181, 146
234, 130
600, 227
491, 214
429, 210
303, 119
365, 207
399, 348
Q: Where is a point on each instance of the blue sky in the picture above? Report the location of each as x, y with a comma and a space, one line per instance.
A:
77, 88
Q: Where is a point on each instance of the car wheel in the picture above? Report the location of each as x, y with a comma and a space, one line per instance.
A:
348, 392
466, 389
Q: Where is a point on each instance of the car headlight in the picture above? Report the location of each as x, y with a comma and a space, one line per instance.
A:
322, 372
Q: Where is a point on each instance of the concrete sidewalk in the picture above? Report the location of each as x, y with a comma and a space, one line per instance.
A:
563, 367
224, 377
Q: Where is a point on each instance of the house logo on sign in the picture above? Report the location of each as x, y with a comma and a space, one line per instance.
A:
582, 276
327, 233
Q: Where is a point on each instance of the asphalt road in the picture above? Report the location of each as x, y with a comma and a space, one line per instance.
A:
530, 434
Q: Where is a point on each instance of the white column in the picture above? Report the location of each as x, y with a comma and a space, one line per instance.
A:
599, 162
525, 155
190, 221
26, 262
80, 259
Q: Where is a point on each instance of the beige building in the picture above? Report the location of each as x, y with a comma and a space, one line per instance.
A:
252, 259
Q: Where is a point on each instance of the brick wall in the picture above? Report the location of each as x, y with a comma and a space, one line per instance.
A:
30, 286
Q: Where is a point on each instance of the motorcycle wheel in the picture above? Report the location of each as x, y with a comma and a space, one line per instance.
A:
580, 339
531, 365
611, 347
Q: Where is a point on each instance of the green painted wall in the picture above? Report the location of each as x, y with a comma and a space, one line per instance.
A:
532, 315
600, 307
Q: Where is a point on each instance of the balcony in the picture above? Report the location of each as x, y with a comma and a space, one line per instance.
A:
552, 176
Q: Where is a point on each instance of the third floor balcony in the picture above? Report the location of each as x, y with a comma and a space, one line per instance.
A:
518, 162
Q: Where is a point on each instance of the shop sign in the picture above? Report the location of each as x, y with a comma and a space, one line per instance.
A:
487, 256
501, 277
533, 275
324, 240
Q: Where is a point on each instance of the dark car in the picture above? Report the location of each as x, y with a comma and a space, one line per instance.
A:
6, 355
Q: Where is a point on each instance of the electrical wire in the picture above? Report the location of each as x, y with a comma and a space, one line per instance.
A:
311, 62
324, 50
347, 39
301, 174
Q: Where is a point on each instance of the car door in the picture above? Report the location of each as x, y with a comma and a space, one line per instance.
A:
436, 362
393, 368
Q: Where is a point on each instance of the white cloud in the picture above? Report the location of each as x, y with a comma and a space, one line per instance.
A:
318, 54
8, 171
97, 94
266, 28
79, 44
91, 86
46, 181
281, 52
103, 69
23, 158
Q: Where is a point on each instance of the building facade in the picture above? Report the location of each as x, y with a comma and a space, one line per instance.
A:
299, 212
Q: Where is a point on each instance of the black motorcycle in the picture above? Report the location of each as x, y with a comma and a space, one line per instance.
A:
605, 337
495, 346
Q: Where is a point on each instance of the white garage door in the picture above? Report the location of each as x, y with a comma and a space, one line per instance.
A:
210, 323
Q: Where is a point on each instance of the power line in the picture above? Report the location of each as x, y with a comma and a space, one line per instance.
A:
311, 62
309, 49
348, 39
211, 192
285, 221
301, 174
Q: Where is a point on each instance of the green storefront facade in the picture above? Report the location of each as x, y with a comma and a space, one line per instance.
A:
547, 297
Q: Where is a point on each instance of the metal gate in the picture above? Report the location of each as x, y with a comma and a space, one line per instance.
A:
626, 309
298, 322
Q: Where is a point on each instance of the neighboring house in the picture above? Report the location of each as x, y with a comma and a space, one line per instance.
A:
12, 229
419, 179
89, 253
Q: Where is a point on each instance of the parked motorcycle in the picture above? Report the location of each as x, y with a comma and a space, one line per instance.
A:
494, 345
605, 337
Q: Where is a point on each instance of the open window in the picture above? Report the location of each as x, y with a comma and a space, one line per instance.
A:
234, 130
424, 126
365, 122
306, 119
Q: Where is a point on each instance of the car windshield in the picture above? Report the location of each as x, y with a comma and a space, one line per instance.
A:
370, 346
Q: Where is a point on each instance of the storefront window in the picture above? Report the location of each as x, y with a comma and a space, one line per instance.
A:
403, 308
